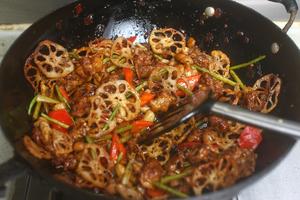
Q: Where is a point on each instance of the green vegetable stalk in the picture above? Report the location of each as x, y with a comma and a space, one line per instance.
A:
215, 75
239, 66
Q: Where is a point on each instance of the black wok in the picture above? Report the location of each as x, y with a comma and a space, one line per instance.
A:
239, 31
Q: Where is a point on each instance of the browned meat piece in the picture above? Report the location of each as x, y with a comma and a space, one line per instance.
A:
144, 62
152, 171
255, 100
235, 164
184, 59
37, 136
91, 65
111, 77
71, 81
218, 123
81, 105
213, 144
87, 66
66, 163
133, 147
199, 58
213, 84
81, 108
79, 130
163, 101
85, 90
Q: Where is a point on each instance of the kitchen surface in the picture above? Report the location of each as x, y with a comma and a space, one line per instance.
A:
17, 15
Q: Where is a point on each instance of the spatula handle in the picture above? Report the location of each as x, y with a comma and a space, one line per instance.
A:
264, 121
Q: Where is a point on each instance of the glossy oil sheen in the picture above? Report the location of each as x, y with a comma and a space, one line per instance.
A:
249, 35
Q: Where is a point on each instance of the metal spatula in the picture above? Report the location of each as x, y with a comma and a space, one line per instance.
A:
201, 103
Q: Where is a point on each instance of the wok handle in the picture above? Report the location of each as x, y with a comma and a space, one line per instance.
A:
282, 126
9, 170
292, 8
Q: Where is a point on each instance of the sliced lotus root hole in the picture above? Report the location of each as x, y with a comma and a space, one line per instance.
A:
108, 104
122, 88
131, 107
121, 54
111, 89
121, 93
167, 41
131, 97
103, 95
52, 59
32, 73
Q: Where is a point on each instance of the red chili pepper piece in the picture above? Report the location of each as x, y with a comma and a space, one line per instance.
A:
189, 82
128, 73
78, 9
155, 192
250, 138
64, 93
146, 97
182, 83
63, 116
88, 20
192, 81
139, 125
132, 38
116, 148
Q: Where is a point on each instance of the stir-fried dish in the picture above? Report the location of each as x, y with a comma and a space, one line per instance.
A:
93, 103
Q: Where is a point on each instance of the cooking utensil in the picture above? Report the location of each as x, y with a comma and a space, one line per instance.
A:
202, 104
237, 30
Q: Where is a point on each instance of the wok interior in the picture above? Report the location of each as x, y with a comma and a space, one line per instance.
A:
116, 18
